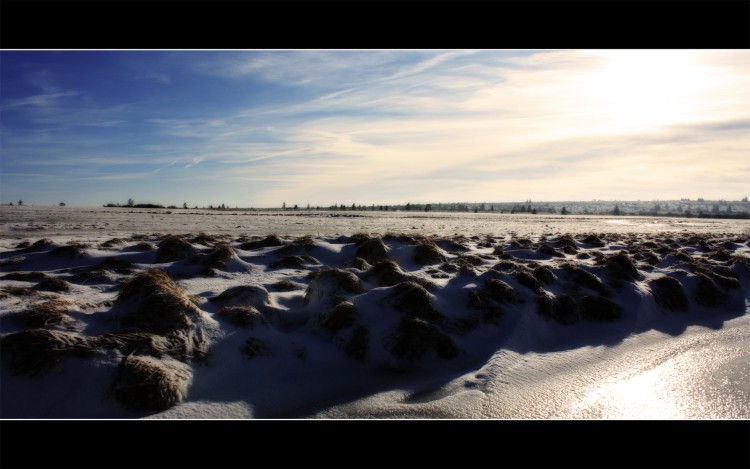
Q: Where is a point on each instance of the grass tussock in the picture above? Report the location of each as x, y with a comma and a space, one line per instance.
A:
141, 343
269, 241
148, 383
584, 278
173, 248
242, 316
40, 245
373, 251
244, 295
621, 267
706, 293
285, 285
49, 313
155, 303
115, 264
34, 352
331, 281
414, 337
561, 308
669, 294
70, 251
53, 284
413, 300
110, 243
358, 238
526, 278
294, 262
428, 253
593, 240
26, 276
343, 315
598, 308
545, 250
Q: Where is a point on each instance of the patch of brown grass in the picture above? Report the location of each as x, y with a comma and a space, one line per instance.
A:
669, 294
49, 313
148, 383
34, 352
242, 316
173, 248
372, 250
414, 337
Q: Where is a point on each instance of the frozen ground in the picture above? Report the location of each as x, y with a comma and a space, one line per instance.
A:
373, 315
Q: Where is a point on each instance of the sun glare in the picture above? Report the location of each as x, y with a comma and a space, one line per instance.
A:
634, 88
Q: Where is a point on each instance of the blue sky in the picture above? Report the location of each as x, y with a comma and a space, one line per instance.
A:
258, 128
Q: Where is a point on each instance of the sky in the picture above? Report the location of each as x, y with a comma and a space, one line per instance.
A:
259, 128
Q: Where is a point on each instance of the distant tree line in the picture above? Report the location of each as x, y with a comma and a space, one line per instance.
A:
699, 208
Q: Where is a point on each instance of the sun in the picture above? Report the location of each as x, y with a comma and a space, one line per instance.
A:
634, 88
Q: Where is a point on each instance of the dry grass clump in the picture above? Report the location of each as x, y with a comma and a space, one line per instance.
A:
23, 244
173, 248
285, 285
372, 250
358, 344
526, 278
242, 316
216, 258
252, 295
156, 304
497, 290
53, 284
359, 263
304, 244
400, 237
115, 264
148, 383
34, 352
706, 293
586, 279
427, 253
358, 238
568, 244
49, 313
26, 276
18, 291
464, 263
344, 314
720, 254
598, 308
330, 281
621, 267
724, 276
38, 246
669, 294
204, 239
255, 347
544, 274
142, 246
547, 250
88, 276
593, 240
142, 343
112, 242
388, 273
71, 251
413, 300
268, 241
294, 262
521, 243
414, 337
562, 308
505, 266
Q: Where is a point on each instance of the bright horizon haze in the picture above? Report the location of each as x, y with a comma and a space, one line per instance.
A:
322, 127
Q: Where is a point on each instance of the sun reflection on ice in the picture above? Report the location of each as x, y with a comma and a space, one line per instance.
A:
704, 383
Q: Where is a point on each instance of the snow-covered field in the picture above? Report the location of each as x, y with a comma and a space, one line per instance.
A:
133, 313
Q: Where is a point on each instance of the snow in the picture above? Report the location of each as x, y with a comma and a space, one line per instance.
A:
650, 363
